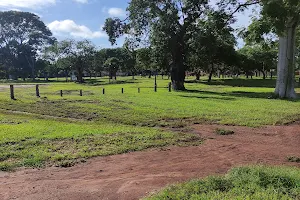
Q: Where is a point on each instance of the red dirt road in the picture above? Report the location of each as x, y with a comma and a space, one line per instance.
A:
135, 175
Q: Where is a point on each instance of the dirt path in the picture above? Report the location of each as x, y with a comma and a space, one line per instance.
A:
134, 175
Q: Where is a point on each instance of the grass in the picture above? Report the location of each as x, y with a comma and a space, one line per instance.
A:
257, 183
51, 130
224, 132
31, 142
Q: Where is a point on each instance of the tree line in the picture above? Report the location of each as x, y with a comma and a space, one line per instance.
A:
169, 37
29, 50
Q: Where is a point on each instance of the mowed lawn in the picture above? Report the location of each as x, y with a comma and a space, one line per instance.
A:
54, 130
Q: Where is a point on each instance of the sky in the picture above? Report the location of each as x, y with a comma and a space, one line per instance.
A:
83, 19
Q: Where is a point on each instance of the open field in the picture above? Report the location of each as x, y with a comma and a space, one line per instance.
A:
55, 131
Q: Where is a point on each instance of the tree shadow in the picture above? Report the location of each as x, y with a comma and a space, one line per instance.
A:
219, 98
97, 82
267, 83
261, 95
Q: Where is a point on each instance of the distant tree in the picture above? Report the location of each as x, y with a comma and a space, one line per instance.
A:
77, 54
112, 66
263, 58
212, 45
144, 60
23, 34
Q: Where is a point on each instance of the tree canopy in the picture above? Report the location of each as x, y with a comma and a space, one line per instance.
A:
23, 34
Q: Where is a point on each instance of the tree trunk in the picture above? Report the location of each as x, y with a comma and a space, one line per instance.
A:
80, 75
110, 75
285, 85
211, 73
271, 75
264, 75
198, 74
178, 74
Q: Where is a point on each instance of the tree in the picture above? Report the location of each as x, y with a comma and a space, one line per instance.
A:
213, 42
169, 24
262, 58
112, 66
144, 59
23, 34
282, 18
77, 54
128, 62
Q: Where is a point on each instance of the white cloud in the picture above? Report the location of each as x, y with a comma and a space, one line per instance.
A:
33, 4
70, 28
81, 1
116, 12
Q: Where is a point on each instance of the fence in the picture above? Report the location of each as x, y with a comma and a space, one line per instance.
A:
37, 91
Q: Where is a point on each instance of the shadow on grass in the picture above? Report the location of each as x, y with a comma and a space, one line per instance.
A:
228, 95
267, 83
105, 82
219, 98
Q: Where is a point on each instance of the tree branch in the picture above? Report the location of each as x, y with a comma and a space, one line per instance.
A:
244, 5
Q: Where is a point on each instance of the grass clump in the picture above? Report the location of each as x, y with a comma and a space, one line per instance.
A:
224, 132
257, 183
294, 159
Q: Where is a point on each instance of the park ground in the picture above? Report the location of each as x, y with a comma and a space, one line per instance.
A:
127, 146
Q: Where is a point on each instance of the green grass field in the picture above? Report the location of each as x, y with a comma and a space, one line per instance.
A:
54, 130
259, 183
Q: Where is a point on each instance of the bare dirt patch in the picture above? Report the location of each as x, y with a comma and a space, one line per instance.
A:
134, 175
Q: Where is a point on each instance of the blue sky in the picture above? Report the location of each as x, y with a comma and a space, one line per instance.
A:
82, 19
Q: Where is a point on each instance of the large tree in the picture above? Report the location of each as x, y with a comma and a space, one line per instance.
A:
22, 35
168, 24
78, 54
282, 18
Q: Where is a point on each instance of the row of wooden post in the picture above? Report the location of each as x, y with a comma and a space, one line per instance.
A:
37, 91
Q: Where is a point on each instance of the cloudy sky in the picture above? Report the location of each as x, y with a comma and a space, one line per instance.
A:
81, 19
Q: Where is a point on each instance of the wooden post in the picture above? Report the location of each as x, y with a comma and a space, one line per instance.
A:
37, 91
155, 83
12, 93
80, 93
170, 87
122, 90
103, 91
139, 90
61, 93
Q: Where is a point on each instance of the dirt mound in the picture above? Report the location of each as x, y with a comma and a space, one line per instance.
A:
134, 175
